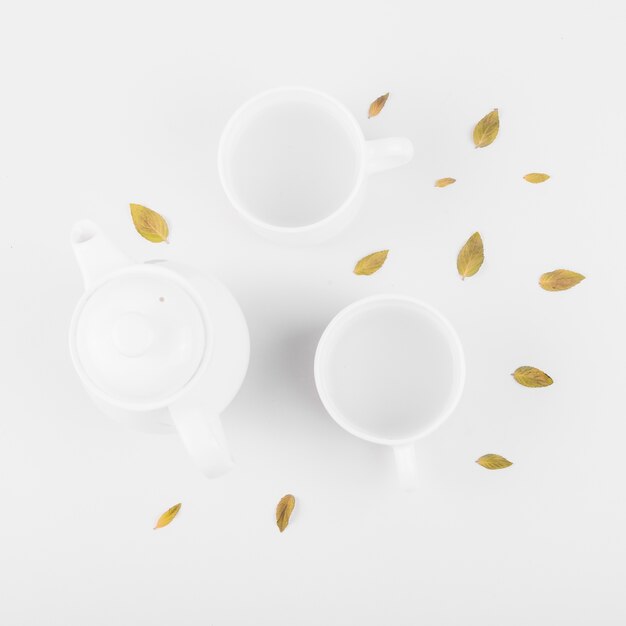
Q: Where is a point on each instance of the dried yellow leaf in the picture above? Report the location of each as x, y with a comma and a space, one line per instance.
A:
487, 129
493, 462
536, 177
531, 377
560, 280
371, 263
168, 516
377, 106
284, 510
444, 182
471, 256
149, 224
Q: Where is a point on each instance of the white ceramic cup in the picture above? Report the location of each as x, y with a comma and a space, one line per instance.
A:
293, 162
390, 369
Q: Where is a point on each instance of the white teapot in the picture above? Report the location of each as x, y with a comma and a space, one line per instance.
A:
159, 347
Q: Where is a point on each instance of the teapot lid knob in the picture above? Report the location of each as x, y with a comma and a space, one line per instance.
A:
133, 334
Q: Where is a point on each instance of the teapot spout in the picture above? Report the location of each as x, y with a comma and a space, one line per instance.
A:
95, 254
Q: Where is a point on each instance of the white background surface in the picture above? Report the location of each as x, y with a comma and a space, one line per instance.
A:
104, 104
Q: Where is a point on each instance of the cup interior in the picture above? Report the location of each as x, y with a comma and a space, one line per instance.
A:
290, 158
389, 369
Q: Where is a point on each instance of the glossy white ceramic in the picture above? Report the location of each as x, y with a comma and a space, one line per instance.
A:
159, 347
390, 369
294, 162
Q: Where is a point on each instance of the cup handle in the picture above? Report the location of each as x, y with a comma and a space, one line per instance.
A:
203, 437
406, 463
385, 154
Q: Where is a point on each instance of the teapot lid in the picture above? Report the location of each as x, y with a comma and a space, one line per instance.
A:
139, 336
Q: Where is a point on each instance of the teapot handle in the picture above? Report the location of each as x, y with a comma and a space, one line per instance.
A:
203, 437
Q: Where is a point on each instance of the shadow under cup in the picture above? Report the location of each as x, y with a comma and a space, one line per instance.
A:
389, 369
290, 158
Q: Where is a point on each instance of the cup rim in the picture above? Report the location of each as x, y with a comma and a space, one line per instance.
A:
268, 226
320, 366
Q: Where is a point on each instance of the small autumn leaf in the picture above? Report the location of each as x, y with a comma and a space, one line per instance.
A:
560, 280
149, 224
168, 516
487, 129
284, 510
371, 263
444, 182
377, 106
471, 256
531, 377
536, 177
493, 462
